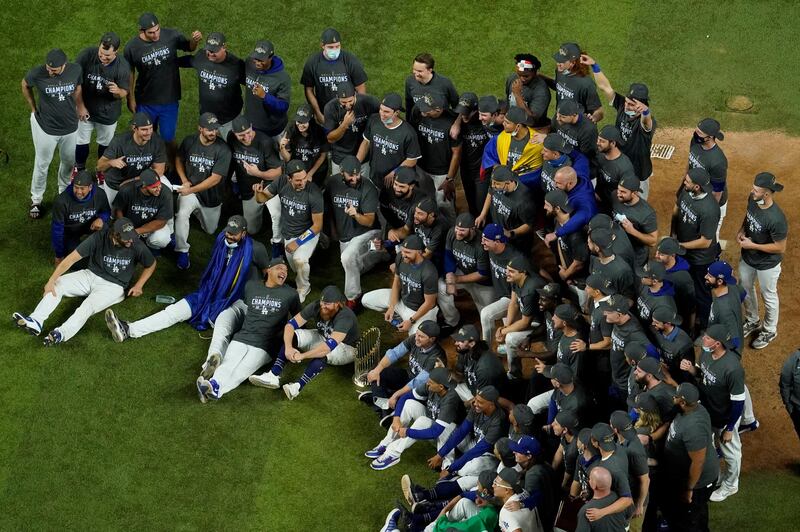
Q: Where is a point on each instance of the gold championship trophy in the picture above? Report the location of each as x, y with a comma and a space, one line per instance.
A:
368, 353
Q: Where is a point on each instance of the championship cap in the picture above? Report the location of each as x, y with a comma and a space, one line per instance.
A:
688, 392
330, 36
465, 220
639, 91
510, 478
652, 366
568, 108
719, 333
585, 437
516, 115
467, 103
709, 126
636, 351
646, 402
148, 20
427, 205
611, 134
550, 290
350, 165
294, 166
124, 229
345, 90
567, 312
527, 62
303, 114
236, 224
393, 101
768, 181
603, 238
527, 445
489, 393
56, 58
277, 261
83, 179
723, 271
148, 178
241, 124
110, 40
666, 314
521, 264
567, 419
440, 376
214, 42
604, 436
568, 51
560, 372
331, 294
600, 282
555, 142
430, 327
619, 303
405, 175
431, 101
263, 50
488, 104
495, 233
621, 421
670, 246
558, 198
631, 182
209, 121
652, 269
503, 174
699, 176
413, 243
467, 333
141, 119
523, 415
600, 221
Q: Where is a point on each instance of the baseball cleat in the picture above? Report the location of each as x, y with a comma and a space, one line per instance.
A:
266, 380
375, 452
27, 323
117, 327
366, 397
291, 390
384, 462
750, 327
390, 525
763, 339
386, 420
211, 365
750, 427
183, 260
53, 338
203, 389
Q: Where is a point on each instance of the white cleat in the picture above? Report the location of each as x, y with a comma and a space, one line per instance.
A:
291, 390
266, 380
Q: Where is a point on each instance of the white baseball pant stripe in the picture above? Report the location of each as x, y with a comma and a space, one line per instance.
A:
177, 312
298, 261
340, 355
645, 186
99, 293
358, 258
208, 216
104, 132
45, 147
723, 210
274, 208
378, 300
490, 314
732, 455
240, 361
413, 416
481, 296
253, 212
768, 286
748, 414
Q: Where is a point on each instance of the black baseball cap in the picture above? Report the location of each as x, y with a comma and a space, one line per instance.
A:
56, 58
516, 115
603, 238
405, 175
666, 314
558, 198
236, 224
600, 282
699, 176
303, 114
489, 393
521, 264
141, 119
550, 290
263, 50
345, 89
440, 376
393, 101
502, 174
621, 421
110, 40
209, 121
83, 179
688, 392
466, 333
567, 312
611, 133
600, 221
555, 142
465, 220
488, 104
639, 91
350, 165
768, 181
567, 419
670, 246
467, 103
330, 36
709, 126
431, 101
331, 294
125, 229
652, 269
604, 435
241, 124
215, 41
568, 108
619, 303
720, 333
567, 52
148, 178
636, 351
413, 243
427, 205
294, 166
277, 261
430, 327
630, 182
652, 366
147, 20
560, 372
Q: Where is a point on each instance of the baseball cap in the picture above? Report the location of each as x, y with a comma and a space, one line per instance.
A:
600, 221
466, 333
427, 205
241, 124
567, 312
487, 476
82, 179
767, 180
567, 419
644, 401
611, 133
699, 176
621, 421
494, 232
345, 90
560, 372
56, 58
510, 476
558, 198
550, 290
631, 182
263, 50
555, 142
215, 41
670, 246
636, 351
110, 40
294, 166
489, 393
523, 415
236, 224
209, 121
440, 376
639, 91
125, 229
467, 103
330, 36
147, 20
709, 126
516, 115
331, 294
585, 436
666, 314
600, 282
488, 104
465, 220
720, 333
521, 264
350, 165
148, 178
393, 101
688, 392
604, 436
405, 175
303, 114
568, 108
603, 238
141, 119
527, 62
526, 445
652, 269
431, 101
503, 174
619, 303
277, 261
652, 366
722, 270
566, 52
413, 243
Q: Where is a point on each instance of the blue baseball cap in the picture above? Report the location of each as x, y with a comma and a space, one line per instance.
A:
526, 445
495, 232
722, 270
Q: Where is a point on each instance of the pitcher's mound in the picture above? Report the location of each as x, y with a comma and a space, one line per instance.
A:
739, 103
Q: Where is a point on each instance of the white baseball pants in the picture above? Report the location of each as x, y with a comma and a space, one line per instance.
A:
357, 258
378, 300
45, 147
208, 216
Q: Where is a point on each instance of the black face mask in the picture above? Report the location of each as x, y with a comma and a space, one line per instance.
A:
462, 351
698, 139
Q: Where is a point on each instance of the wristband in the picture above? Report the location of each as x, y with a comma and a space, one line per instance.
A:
596, 68
293, 323
646, 112
331, 343
305, 237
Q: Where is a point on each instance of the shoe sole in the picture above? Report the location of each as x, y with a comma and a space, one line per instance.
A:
385, 467
211, 366
373, 455
20, 322
288, 393
50, 341
261, 384
405, 486
712, 499
389, 518
114, 327
203, 397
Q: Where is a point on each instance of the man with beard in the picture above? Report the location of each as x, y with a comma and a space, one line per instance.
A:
346, 118
556, 154
705, 153
581, 196
635, 216
606, 262
670, 253
203, 159
477, 365
509, 205
501, 253
613, 166
473, 136
578, 132
354, 201
572, 249
526, 90
269, 90
672, 342
427, 223
406, 194
148, 205
572, 82
80, 210
331, 341
518, 147
655, 291
726, 302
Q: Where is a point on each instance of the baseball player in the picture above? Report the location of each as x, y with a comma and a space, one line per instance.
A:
302, 207
474, 137
106, 80
655, 291
573, 83
602, 498
54, 120
428, 224
790, 388
270, 304
477, 366
578, 131
424, 80
509, 205
130, 153
705, 153
613, 166
556, 153
581, 196
203, 159
571, 249
113, 253
518, 146
268, 93
635, 215
78, 211
346, 118
501, 253
670, 253
148, 205
526, 90
305, 140
332, 340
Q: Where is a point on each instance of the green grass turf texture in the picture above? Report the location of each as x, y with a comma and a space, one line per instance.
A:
95, 435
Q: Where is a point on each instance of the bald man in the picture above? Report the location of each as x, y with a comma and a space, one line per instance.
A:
589, 516
581, 196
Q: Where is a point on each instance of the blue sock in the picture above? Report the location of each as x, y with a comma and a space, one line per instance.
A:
277, 367
81, 154
314, 368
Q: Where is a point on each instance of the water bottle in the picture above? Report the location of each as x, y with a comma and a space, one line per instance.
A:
166, 300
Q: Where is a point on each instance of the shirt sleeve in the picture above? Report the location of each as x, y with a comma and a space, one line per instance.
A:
223, 162
412, 144
165, 211
160, 153
356, 70
307, 77
316, 201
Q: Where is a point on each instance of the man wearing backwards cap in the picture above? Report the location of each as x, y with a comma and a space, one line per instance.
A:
526, 90
476, 366
613, 166
203, 159
690, 463
500, 254
398, 204
720, 379
155, 76
81, 209
149, 206
509, 205
694, 226
412, 297
635, 216
655, 290
220, 76
269, 305
346, 118
113, 253
427, 412
130, 153
762, 238
427, 223
106, 80
705, 153
572, 249
327, 70
269, 90
635, 122
518, 146
648, 374
332, 341
54, 120
638, 470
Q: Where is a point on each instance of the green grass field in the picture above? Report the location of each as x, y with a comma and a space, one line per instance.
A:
96, 435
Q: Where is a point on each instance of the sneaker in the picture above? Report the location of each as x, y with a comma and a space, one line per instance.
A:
426, 507
381, 402
365, 397
266, 380
384, 462
722, 493
203, 389
411, 491
27, 323
35, 212
53, 338
291, 390
183, 260
501, 349
386, 419
390, 525
763, 339
118, 328
211, 365
750, 427
406, 520
749, 328
375, 452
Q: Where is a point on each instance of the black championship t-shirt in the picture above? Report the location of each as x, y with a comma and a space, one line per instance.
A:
137, 158
498, 264
112, 263
644, 219
158, 79
636, 142
341, 196
578, 88
200, 161
469, 254
474, 138
715, 163
343, 322
435, 142
414, 90
141, 209
490, 427
276, 83
104, 107
297, 206
536, 95
261, 152
77, 216
268, 310
364, 107
307, 148
220, 85
689, 432
389, 147
763, 226
698, 217
611, 172
56, 111
325, 75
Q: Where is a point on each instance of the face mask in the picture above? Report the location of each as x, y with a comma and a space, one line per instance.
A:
698, 139
708, 349
332, 54
761, 201
388, 122
557, 163
630, 113
514, 133
566, 72
231, 245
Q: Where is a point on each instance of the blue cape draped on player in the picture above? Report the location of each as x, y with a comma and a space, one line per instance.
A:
220, 285
527, 167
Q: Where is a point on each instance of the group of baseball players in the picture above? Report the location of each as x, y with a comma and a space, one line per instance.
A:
605, 416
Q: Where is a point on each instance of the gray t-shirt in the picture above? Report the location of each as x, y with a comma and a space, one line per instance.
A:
490, 427
388, 148
77, 216
416, 281
617, 465
482, 371
220, 85
673, 348
364, 107
696, 218
726, 310
276, 83
200, 161
158, 79
414, 90
644, 219
442, 409
343, 322
325, 76
419, 359
688, 432
261, 152
574, 247
341, 196
56, 111
579, 88
609, 523
610, 173
512, 210
618, 272
715, 163
527, 296
647, 300
469, 255
137, 158
104, 107
536, 95
622, 335
581, 136
400, 211
141, 209
297, 207
268, 310
636, 142
763, 226
115, 264
435, 142
433, 236
719, 382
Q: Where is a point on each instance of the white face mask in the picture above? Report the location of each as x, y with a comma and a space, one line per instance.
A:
231, 245
708, 349
630, 113
332, 53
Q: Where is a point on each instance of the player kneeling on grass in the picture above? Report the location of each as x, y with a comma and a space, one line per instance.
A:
113, 254
270, 304
331, 341
428, 412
